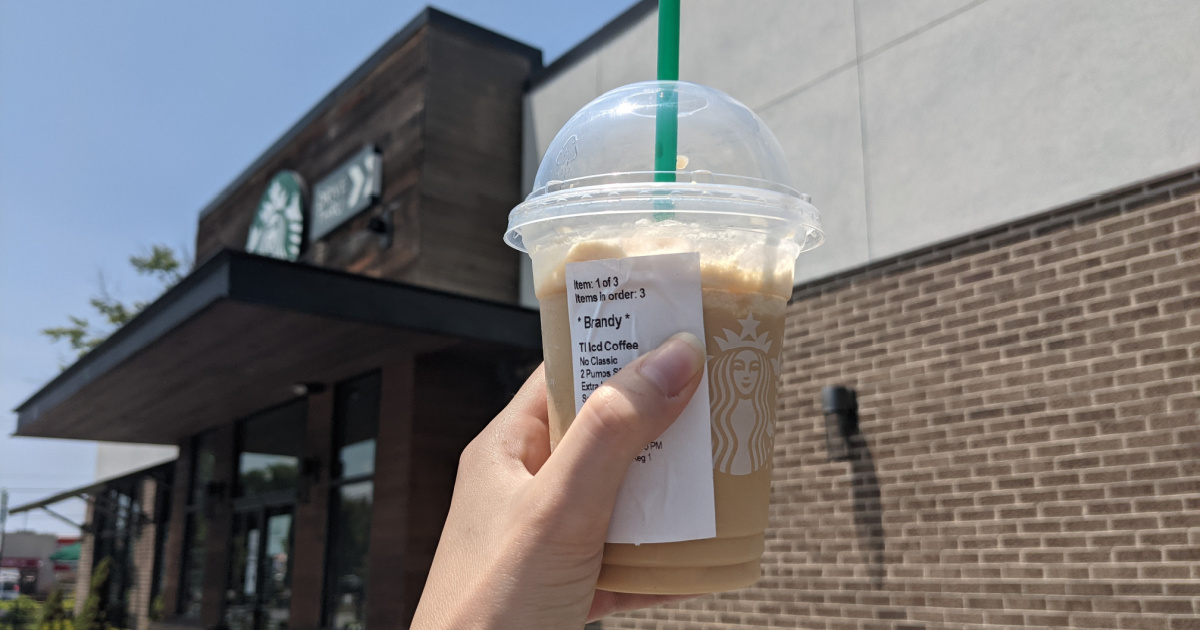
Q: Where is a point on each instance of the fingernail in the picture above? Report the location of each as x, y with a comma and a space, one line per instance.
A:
673, 365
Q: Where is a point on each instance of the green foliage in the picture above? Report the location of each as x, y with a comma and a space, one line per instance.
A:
275, 476
162, 263
22, 614
157, 609
54, 613
95, 610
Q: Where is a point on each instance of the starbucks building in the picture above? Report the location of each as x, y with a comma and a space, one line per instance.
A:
351, 323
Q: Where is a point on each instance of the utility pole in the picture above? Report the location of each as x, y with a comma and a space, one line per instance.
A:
3, 517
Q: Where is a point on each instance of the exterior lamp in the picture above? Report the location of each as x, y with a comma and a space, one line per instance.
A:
840, 404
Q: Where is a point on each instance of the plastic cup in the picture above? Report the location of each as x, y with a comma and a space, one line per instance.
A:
733, 202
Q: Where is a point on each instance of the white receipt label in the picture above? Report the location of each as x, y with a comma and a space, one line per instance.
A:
619, 309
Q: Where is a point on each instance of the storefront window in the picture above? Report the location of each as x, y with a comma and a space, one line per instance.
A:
193, 570
356, 423
204, 460
270, 446
112, 531
259, 585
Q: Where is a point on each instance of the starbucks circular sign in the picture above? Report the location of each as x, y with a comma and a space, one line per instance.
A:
278, 227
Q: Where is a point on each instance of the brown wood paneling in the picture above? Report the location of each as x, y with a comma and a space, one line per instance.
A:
387, 598
384, 109
445, 111
218, 548
231, 361
176, 523
456, 396
308, 547
472, 174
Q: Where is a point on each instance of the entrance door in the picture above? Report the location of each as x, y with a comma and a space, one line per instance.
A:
270, 444
259, 596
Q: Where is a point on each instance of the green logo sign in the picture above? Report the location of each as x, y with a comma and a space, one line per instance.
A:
279, 222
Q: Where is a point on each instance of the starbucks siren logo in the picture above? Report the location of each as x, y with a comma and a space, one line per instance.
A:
743, 419
279, 222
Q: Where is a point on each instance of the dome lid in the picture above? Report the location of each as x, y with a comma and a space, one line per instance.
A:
728, 162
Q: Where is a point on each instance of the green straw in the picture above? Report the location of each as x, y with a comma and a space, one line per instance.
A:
666, 120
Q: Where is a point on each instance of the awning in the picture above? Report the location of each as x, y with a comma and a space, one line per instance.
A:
241, 332
69, 553
161, 471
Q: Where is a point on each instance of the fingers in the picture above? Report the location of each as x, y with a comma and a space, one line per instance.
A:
519, 435
632, 408
530, 421
605, 603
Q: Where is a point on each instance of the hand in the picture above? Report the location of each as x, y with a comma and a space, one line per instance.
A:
525, 535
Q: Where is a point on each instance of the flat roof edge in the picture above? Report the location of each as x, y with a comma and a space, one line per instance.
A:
297, 287
428, 15
594, 42
205, 285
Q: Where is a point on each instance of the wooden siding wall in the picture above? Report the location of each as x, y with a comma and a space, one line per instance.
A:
385, 109
219, 546
472, 173
173, 549
456, 398
309, 541
445, 111
386, 596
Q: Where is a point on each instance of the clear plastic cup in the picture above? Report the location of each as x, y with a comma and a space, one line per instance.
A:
733, 202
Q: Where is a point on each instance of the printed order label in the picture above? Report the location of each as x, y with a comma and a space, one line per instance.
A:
619, 309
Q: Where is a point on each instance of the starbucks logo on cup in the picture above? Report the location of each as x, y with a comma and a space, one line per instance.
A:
566, 155
742, 374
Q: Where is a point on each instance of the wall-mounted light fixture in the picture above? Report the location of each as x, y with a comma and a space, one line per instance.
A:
304, 389
841, 420
383, 226
310, 475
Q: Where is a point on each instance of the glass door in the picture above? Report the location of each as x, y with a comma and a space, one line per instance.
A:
259, 596
241, 598
270, 444
275, 600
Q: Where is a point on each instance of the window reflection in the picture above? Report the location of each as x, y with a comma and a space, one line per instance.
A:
271, 444
204, 454
352, 514
356, 422
358, 459
193, 573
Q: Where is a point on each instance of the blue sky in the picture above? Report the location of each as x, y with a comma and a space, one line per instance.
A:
120, 120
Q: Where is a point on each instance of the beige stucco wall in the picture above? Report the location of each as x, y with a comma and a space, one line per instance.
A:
912, 123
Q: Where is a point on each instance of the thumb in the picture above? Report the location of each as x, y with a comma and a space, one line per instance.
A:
629, 410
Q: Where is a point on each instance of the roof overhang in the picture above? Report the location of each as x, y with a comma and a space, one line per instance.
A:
161, 471
240, 332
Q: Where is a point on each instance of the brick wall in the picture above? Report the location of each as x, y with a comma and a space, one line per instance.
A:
83, 571
142, 557
1030, 448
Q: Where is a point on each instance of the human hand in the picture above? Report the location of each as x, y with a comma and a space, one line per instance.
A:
523, 542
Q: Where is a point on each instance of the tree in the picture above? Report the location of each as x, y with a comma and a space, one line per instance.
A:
162, 263
54, 613
22, 615
95, 609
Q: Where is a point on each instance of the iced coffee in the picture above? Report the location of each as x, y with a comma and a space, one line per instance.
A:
743, 312
739, 216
